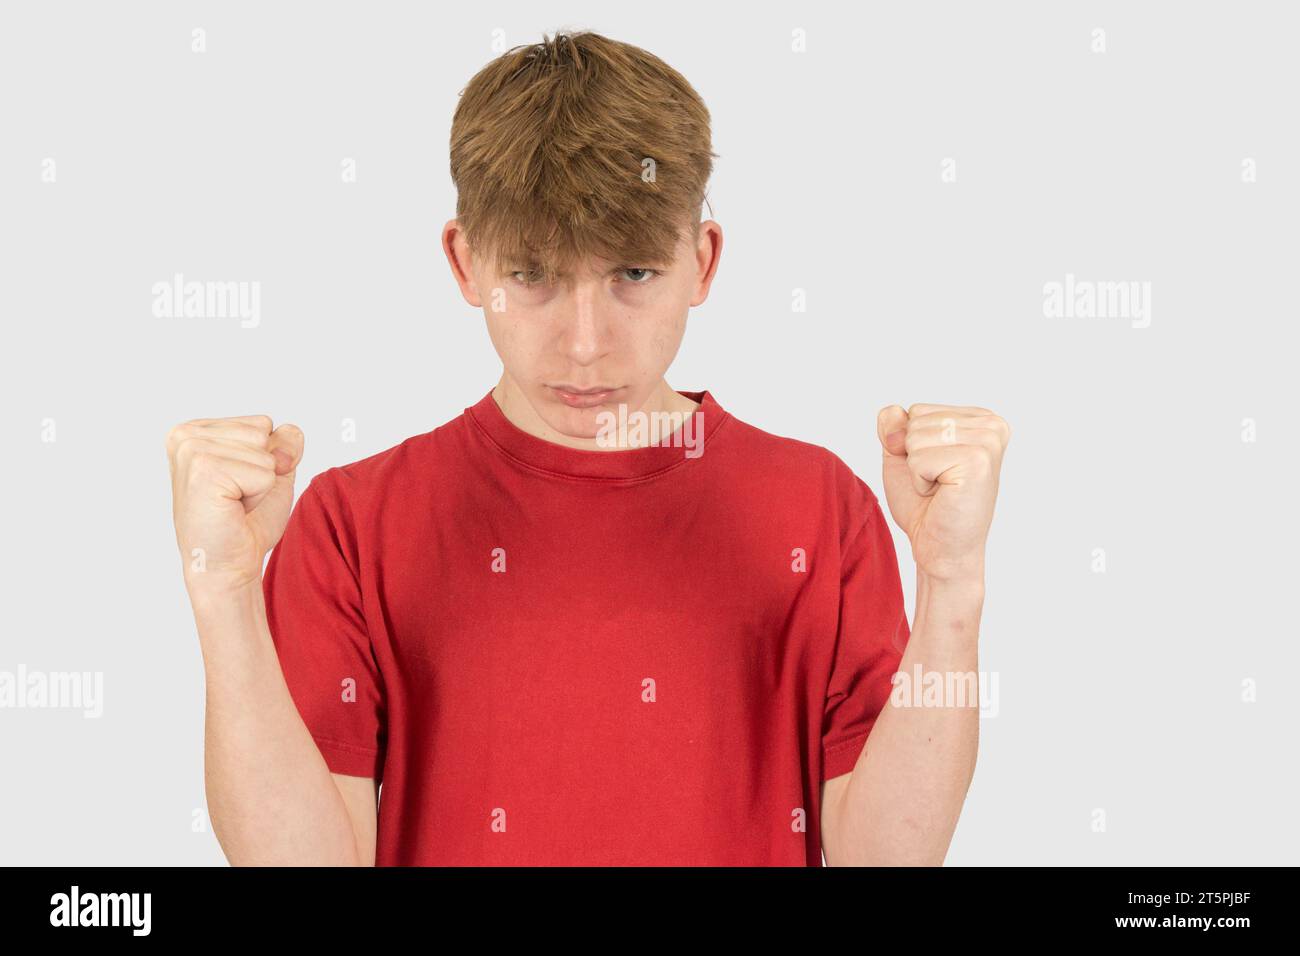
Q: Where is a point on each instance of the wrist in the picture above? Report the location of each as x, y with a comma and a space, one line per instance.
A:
232, 626
972, 584
959, 596
214, 597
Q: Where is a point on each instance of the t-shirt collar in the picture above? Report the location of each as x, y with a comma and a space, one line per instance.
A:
626, 463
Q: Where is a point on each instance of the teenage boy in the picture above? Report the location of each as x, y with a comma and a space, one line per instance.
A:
555, 641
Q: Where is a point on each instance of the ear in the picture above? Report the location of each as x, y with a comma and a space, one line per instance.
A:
461, 261
708, 252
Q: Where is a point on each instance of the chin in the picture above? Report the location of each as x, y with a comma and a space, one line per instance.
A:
576, 422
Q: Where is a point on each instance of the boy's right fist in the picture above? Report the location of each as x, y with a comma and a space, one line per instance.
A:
232, 491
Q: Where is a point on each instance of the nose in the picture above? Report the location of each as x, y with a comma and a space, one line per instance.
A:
585, 331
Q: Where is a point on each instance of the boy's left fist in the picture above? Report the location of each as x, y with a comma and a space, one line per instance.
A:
941, 465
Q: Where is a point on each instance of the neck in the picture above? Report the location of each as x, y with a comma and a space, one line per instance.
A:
520, 412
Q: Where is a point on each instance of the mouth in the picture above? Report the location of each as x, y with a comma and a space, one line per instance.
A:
583, 397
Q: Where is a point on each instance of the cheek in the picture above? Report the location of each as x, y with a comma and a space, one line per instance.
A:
518, 338
656, 348
498, 331
668, 332
507, 338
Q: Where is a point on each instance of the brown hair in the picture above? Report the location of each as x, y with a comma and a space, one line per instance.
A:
548, 145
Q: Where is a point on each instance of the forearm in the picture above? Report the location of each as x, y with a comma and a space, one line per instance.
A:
904, 796
270, 795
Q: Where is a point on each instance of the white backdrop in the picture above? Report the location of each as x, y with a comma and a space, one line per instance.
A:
916, 174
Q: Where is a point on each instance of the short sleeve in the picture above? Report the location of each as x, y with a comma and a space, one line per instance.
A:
314, 612
873, 633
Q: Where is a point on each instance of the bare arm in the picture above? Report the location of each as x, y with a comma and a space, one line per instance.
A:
271, 797
361, 794
900, 804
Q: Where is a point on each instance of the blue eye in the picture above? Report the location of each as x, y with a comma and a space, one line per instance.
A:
648, 274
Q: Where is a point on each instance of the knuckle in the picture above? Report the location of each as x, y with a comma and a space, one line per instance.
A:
177, 433
994, 423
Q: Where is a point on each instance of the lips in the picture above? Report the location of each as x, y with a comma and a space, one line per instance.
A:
582, 397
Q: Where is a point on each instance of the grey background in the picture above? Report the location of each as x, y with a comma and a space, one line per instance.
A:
1119, 691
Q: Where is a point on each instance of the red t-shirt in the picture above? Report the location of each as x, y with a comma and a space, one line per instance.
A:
554, 656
